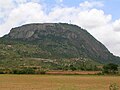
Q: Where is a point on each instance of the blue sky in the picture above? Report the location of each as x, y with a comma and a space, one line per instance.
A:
101, 18
110, 6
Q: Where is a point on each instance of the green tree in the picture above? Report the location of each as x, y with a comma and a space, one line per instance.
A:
72, 68
110, 68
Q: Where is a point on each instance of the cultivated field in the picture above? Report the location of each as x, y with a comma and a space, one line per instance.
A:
57, 82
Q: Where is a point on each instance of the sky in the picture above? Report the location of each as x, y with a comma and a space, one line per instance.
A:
101, 18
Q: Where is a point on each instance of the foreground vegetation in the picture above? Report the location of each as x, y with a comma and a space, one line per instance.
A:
111, 69
58, 82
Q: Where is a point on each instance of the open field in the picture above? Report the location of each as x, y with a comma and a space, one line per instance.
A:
57, 82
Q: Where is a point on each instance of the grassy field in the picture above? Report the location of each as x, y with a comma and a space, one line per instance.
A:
57, 82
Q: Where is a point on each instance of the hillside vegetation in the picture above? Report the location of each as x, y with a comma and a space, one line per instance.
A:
53, 46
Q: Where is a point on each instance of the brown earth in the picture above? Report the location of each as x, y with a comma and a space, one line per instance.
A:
57, 82
73, 72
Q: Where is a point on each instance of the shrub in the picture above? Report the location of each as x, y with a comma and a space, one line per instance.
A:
29, 71
40, 71
24, 71
113, 86
110, 68
1, 71
5, 71
72, 68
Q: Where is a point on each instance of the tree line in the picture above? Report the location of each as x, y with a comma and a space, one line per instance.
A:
107, 69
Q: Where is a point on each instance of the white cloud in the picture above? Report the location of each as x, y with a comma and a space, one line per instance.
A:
95, 21
24, 13
59, 1
92, 18
5, 7
87, 4
60, 14
116, 25
20, 1
6, 4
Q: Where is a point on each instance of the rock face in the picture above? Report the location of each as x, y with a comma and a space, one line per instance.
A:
61, 40
28, 31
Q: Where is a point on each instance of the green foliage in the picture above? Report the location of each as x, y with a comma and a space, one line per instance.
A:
59, 47
50, 64
110, 68
40, 71
24, 71
2, 71
57, 41
72, 68
5, 71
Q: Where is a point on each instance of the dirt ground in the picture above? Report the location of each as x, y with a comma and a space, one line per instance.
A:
57, 82
73, 72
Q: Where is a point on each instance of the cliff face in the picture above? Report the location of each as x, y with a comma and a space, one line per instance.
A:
61, 40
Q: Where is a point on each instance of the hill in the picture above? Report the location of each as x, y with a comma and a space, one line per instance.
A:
52, 45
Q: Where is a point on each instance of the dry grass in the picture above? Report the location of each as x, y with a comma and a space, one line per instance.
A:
56, 82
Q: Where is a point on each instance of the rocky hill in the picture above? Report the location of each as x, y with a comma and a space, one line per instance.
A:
54, 41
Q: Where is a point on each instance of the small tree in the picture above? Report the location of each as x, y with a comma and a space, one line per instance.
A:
110, 68
72, 68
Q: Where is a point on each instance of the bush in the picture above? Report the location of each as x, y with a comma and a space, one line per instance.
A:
5, 71
72, 68
24, 71
114, 86
1, 71
29, 71
40, 71
110, 68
